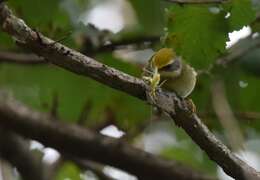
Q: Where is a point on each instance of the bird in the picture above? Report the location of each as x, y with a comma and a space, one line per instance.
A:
167, 70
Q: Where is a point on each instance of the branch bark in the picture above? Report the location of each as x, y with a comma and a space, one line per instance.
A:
180, 111
84, 144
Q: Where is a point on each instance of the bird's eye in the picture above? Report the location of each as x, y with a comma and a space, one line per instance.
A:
167, 68
176, 65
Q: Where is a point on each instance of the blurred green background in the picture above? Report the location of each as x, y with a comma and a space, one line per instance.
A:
124, 34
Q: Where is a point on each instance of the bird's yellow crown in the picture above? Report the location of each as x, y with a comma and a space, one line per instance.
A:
163, 57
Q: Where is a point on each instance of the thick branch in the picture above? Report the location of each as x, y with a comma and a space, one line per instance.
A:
85, 144
16, 151
178, 109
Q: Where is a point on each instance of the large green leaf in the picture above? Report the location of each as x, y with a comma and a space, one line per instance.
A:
241, 13
197, 33
150, 15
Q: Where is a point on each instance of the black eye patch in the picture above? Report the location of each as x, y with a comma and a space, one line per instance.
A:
167, 68
176, 65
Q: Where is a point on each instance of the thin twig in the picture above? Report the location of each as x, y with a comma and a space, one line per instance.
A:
21, 58
54, 110
84, 114
138, 41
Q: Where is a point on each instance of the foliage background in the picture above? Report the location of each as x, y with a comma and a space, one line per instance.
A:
197, 32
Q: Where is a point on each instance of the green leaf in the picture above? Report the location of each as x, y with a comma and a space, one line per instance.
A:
197, 33
68, 171
151, 18
48, 17
241, 14
35, 12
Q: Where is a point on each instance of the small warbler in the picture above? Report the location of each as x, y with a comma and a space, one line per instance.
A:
176, 75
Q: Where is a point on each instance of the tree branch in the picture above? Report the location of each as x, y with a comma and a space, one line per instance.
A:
89, 49
85, 144
15, 150
96, 168
238, 50
196, 1
178, 109
21, 58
